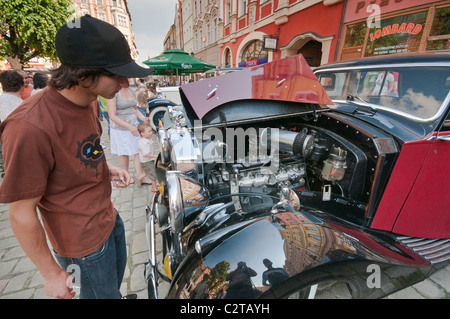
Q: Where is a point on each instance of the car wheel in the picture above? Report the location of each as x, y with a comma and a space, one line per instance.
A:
155, 115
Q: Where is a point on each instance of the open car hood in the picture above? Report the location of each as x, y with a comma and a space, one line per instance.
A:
290, 79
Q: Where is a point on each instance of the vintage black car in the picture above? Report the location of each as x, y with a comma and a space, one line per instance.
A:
280, 183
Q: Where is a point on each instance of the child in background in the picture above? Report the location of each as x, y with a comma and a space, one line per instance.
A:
147, 156
142, 103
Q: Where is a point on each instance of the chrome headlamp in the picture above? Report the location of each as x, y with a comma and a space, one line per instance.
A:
186, 198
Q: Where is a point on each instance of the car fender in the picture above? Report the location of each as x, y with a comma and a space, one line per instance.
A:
306, 249
160, 102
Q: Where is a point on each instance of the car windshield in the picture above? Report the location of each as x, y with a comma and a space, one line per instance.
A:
415, 91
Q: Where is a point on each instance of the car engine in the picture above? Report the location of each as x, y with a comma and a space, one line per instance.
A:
250, 163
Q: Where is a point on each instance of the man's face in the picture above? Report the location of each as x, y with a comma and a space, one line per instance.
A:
25, 77
108, 86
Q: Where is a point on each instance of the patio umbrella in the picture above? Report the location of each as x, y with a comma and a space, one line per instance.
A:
177, 62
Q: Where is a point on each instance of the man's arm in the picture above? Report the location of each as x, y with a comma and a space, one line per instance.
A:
31, 236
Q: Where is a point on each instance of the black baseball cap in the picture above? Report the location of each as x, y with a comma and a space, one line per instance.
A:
91, 43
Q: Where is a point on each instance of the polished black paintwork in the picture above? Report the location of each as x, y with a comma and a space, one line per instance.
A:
309, 248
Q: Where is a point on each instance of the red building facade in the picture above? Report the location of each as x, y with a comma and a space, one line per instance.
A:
259, 31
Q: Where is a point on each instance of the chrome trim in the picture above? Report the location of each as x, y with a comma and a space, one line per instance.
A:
433, 250
443, 138
164, 145
152, 271
175, 200
436, 116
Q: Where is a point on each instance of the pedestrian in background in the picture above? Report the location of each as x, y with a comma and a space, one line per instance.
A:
147, 156
27, 79
39, 82
142, 104
55, 162
124, 114
13, 85
104, 112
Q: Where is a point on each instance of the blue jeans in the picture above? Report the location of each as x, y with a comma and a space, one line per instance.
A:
101, 272
143, 111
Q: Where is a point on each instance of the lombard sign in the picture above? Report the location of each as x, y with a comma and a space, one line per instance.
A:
410, 28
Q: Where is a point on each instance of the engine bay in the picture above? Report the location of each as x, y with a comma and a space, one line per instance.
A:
329, 162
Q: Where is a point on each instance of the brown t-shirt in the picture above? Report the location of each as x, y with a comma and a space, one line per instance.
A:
51, 148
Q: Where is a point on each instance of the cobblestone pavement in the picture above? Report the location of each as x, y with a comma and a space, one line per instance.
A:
19, 278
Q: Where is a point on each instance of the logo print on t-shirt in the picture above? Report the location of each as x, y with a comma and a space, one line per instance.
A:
90, 151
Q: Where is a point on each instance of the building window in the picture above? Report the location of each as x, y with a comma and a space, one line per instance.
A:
197, 42
122, 20
100, 2
215, 30
355, 35
253, 54
439, 38
242, 7
227, 12
227, 58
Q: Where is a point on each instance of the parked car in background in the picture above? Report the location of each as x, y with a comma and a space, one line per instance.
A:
280, 183
165, 96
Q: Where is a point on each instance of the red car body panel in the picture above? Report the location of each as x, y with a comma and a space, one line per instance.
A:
416, 201
426, 213
288, 80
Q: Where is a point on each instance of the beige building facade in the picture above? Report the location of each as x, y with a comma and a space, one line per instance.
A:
114, 12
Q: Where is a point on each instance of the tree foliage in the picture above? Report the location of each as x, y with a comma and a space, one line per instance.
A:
28, 28
218, 274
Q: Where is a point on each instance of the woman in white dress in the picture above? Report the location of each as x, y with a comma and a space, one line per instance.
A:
123, 113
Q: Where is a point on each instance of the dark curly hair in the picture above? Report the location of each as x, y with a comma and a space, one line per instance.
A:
39, 81
11, 81
66, 77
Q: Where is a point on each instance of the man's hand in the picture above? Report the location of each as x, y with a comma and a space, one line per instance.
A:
120, 177
59, 286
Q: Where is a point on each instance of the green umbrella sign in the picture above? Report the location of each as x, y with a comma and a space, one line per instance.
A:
175, 62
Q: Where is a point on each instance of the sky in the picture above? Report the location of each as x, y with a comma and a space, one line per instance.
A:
151, 20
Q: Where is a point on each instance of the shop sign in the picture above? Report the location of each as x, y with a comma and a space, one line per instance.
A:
410, 28
251, 63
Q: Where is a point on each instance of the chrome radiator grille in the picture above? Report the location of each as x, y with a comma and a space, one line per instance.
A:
433, 250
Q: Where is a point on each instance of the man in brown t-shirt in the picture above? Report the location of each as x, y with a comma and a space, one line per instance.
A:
54, 162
